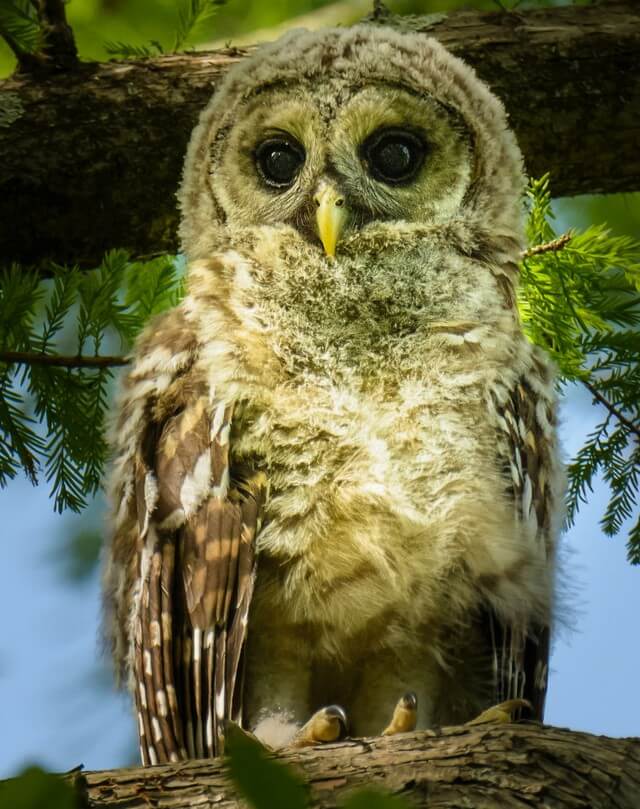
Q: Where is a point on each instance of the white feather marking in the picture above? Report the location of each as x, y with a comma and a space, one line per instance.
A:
197, 645
161, 702
173, 757
157, 731
218, 419
160, 357
223, 436
196, 485
140, 725
527, 497
143, 695
174, 521
153, 756
208, 639
222, 488
515, 476
220, 703
154, 631
147, 662
171, 696
209, 728
150, 491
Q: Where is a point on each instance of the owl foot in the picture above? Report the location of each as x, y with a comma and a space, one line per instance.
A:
501, 713
326, 725
405, 715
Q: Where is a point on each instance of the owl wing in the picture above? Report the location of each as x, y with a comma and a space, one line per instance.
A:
193, 525
527, 446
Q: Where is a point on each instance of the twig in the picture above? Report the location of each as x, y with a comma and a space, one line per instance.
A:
35, 358
548, 247
611, 408
59, 44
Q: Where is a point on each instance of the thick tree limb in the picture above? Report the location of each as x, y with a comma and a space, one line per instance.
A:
91, 157
483, 767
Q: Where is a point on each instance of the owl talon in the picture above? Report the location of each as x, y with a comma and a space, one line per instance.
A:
405, 715
326, 725
503, 712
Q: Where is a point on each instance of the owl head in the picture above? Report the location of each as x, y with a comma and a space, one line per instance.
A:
336, 132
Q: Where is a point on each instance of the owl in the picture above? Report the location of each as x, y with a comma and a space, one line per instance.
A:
335, 482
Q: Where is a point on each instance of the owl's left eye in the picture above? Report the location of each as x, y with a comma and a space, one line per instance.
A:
279, 160
393, 156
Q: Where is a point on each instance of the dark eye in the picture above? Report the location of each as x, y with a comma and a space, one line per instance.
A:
279, 160
393, 156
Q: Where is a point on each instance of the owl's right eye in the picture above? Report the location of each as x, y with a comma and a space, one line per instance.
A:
279, 160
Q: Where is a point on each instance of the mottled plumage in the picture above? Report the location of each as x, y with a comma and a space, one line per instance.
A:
353, 456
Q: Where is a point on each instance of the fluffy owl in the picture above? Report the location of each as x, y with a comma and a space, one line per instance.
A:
335, 479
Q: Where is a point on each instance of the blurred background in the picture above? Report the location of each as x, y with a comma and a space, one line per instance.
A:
57, 704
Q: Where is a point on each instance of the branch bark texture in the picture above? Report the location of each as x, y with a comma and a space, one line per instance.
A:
91, 156
483, 767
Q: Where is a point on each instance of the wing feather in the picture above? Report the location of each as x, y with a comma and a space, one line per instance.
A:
526, 425
185, 531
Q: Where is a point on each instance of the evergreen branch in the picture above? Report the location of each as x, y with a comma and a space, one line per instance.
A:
192, 14
612, 408
547, 247
35, 358
19, 28
125, 51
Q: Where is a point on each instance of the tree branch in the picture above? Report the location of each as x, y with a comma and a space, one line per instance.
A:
548, 247
34, 358
483, 767
615, 411
92, 157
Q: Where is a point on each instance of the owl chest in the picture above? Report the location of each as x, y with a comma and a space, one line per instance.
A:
359, 491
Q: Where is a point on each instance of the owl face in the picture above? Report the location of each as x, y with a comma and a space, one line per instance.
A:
332, 133
330, 160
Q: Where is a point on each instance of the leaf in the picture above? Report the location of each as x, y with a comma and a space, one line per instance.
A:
125, 51
265, 783
193, 15
581, 304
34, 789
18, 20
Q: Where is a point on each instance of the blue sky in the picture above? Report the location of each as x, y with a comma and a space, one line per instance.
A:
54, 714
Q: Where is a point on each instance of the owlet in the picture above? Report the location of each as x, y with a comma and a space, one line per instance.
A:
335, 485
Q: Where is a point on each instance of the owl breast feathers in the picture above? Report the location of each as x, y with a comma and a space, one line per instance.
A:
335, 474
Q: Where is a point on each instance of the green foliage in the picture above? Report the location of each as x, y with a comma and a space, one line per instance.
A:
582, 304
52, 418
269, 784
265, 783
193, 16
34, 789
124, 51
19, 24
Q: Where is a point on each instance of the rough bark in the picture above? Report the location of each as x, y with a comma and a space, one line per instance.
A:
505, 767
91, 156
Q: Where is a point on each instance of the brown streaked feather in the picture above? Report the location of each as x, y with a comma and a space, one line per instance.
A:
167, 621
520, 654
156, 739
159, 676
144, 725
198, 525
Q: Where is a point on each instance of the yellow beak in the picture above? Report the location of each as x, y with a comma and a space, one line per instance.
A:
331, 217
